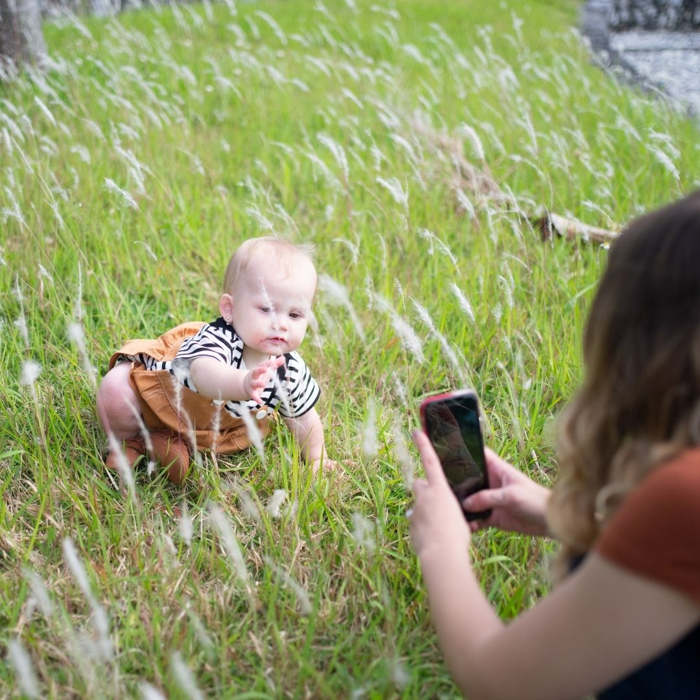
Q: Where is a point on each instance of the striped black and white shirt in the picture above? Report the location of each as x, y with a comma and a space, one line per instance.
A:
293, 391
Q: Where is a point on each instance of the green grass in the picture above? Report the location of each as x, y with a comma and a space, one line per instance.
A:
210, 121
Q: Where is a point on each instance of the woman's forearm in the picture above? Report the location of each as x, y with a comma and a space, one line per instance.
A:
461, 614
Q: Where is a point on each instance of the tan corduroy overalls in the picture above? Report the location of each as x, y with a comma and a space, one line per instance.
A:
168, 405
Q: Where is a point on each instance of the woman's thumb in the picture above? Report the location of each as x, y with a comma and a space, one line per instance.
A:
483, 500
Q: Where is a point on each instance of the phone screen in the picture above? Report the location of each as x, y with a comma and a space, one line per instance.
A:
452, 424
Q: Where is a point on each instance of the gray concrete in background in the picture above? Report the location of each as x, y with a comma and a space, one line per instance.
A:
664, 61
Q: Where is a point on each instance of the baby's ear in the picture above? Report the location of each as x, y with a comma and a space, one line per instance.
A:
226, 307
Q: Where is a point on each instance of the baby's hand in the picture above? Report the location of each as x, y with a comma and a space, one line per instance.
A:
257, 379
329, 465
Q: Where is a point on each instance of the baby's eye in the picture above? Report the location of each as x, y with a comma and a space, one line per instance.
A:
295, 314
264, 309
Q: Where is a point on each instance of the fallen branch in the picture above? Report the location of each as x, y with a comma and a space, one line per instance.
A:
479, 183
550, 224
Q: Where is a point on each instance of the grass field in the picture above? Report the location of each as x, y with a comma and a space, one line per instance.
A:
411, 143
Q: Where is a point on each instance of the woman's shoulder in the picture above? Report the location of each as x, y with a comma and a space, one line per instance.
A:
671, 488
656, 529
679, 478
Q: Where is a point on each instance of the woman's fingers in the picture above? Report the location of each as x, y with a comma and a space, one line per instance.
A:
431, 463
484, 500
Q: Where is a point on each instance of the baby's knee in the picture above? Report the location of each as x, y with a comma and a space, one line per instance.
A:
117, 403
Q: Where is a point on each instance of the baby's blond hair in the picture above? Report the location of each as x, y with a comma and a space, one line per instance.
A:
283, 250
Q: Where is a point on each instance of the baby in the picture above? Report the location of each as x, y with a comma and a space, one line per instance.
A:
217, 384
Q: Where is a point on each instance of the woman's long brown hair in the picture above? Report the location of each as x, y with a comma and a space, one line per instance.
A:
639, 403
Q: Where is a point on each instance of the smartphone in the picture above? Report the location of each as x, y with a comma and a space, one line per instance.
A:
451, 422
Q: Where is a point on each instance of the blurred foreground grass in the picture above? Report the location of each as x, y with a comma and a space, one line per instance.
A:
411, 144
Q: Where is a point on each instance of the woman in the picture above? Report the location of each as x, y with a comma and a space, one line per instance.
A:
623, 621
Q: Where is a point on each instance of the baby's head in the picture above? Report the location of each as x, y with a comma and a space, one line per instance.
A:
290, 259
269, 287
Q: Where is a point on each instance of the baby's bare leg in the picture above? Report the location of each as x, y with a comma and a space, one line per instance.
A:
117, 404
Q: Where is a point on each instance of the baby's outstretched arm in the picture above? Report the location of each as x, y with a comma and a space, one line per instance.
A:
308, 432
216, 380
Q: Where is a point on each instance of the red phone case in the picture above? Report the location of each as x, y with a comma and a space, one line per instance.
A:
436, 398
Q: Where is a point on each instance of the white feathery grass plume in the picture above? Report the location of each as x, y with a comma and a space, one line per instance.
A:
301, 595
463, 302
148, 250
400, 390
22, 665
123, 466
414, 52
508, 286
280, 387
464, 202
403, 456
114, 187
320, 165
228, 538
408, 337
39, 592
170, 547
150, 692
364, 532
200, 630
185, 526
44, 273
94, 128
274, 504
352, 97
666, 161
338, 153
497, 313
395, 189
184, 677
53, 204
378, 156
262, 220
318, 63
665, 139
11, 124
179, 374
470, 133
14, 211
30, 373
7, 140
76, 335
433, 239
338, 295
99, 616
447, 349
216, 423
273, 25
254, 433
135, 167
45, 111
399, 674
247, 501
370, 440
277, 77
352, 247
407, 147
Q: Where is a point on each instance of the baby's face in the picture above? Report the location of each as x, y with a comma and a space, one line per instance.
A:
272, 304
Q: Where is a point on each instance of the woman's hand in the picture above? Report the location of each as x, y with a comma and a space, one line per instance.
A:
517, 503
438, 525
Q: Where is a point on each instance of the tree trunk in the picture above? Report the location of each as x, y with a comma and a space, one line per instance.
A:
21, 38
